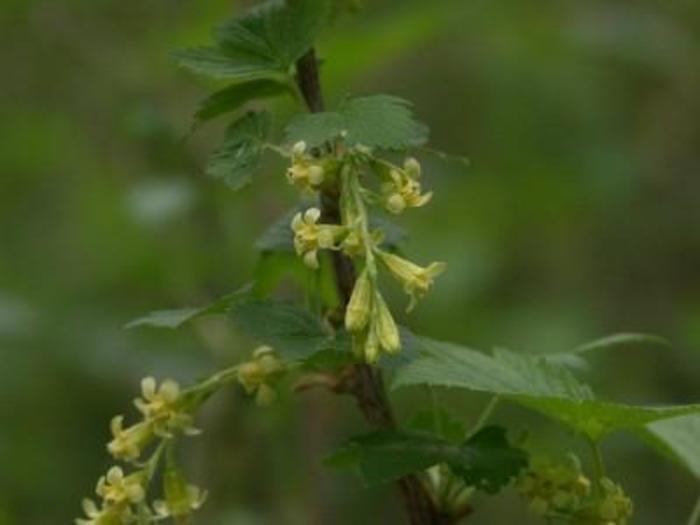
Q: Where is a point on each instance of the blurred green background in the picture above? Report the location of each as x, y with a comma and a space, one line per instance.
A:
579, 216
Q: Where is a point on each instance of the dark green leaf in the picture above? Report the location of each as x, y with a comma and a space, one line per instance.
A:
485, 461
233, 97
295, 333
380, 121
176, 318
531, 381
440, 423
240, 153
233, 66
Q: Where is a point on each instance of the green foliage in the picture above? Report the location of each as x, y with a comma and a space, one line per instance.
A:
240, 153
293, 332
621, 340
439, 422
231, 98
264, 44
533, 382
678, 438
378, 121
485, 460
178, 317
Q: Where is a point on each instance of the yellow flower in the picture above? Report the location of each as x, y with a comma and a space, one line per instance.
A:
181, 499
306, 172
309, 236
127, 443
385, 327
404, 189
415, 279
107, 515
117, 489
161, 406
360, 305
256, 374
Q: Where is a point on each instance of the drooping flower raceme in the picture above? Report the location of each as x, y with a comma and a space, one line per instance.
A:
367, 317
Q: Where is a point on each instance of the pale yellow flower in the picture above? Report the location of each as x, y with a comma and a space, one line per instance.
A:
385, 326
127, 443
359, 307
416, 280
306, 172
181, 498
161, 406
116, 489
404, 190
309, 236
107, 515
256, 374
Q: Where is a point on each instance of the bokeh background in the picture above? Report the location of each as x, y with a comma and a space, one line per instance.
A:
579, 216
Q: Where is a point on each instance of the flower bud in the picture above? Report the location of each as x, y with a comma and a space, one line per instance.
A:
412, 168
387, 332
360, 305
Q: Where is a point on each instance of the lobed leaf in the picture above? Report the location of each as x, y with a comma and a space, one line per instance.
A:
485, 460
531, 381
240, 153
378, 121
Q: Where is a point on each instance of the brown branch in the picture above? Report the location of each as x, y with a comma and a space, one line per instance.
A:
363, 382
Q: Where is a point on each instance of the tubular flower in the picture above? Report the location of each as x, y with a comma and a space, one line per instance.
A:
309, 236
161, 406
306, 172
404, 189
127, 443
415, 279
181, 499
117, 489
256, 374
107, 515
385, 327
359, 307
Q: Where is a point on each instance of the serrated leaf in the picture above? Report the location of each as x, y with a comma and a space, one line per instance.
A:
678, 438
233, 97
624, 339
294, 332
485, 460
379, 121
262, 44
177, 317
533, 382
240, 153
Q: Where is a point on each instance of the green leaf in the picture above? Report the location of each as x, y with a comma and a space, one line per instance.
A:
233, 97
485, 460
439, 422
240, 153
262, 44
678, 438
380, 121
531, 381
624, 339
176, 318
295, 333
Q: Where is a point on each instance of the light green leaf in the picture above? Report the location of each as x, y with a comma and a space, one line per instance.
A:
294, 332
240, 153
678, 438
233, 66
533, 382
379, 121
624, 339
233, 97
485, 460
176, 318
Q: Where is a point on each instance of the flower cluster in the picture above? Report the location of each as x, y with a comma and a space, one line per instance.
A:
368, 317
562, 491
256, 375
165, 412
